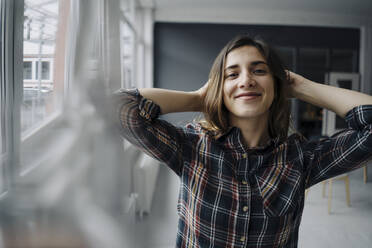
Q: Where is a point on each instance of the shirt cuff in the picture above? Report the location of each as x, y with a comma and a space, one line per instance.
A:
147, 108
359, 117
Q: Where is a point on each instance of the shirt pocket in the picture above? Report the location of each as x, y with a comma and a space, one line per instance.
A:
279, 187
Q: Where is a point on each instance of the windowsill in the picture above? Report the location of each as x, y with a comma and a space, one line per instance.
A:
35, 81
33, 141
46, 123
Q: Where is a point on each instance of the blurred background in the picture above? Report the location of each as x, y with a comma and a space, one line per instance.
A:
66, 180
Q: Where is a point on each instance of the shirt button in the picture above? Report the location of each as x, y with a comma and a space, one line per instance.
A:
244, 182
245, 208
242, 239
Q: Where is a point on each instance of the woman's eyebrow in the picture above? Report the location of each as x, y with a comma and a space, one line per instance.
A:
253, 63
231, 67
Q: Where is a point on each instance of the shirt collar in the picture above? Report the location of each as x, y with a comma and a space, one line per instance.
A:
233, 138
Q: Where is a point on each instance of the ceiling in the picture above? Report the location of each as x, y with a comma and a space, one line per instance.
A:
362, 8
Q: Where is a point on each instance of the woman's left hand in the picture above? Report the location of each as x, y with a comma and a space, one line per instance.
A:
295, 81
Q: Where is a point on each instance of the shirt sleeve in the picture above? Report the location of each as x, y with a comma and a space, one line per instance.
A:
345, 151
139, 124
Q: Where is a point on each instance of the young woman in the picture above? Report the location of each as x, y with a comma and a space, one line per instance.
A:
242, 177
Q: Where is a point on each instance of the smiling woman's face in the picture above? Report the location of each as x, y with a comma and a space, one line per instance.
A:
248, 89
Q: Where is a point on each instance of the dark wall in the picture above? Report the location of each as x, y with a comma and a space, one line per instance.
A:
184, 53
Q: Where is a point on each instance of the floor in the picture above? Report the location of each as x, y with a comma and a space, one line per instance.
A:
345, 226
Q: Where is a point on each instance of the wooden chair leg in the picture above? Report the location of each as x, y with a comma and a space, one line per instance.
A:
330, 181
347, 188
365, 174
324, 188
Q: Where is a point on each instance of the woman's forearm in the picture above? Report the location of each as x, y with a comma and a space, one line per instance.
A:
336, 99
171, 101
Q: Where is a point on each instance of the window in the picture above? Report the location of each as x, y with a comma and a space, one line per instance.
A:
42, 90
128, 40
27, 70
31, 71
127, 45
45, 30
45, 70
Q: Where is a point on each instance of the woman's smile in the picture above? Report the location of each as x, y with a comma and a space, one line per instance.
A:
248, 96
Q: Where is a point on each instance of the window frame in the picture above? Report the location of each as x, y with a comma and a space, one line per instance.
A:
139, 18
12, 89
3, 134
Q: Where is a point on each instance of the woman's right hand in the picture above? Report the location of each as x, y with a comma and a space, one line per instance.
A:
202, 92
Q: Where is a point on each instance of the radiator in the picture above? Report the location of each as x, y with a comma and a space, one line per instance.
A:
145, 174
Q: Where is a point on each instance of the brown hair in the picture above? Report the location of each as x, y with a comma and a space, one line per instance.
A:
215, 112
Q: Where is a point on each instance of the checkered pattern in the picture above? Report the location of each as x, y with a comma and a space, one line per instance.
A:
231, 196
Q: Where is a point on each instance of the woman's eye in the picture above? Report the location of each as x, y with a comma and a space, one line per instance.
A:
259, 71
231, 75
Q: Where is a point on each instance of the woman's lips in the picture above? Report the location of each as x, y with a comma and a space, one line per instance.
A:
251, 97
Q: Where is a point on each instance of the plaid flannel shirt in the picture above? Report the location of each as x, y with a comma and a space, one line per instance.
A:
231, 196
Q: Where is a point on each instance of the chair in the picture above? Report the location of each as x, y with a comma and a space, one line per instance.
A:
344, 177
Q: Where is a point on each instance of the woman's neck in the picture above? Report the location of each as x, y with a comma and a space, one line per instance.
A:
254, 130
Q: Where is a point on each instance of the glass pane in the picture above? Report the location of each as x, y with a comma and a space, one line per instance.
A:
313, 57
127, 55
128, 9
27, 70
41, 95
313, 63
45, 70
287, 55
344, 60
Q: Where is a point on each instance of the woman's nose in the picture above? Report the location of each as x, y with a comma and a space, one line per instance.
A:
247, 81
